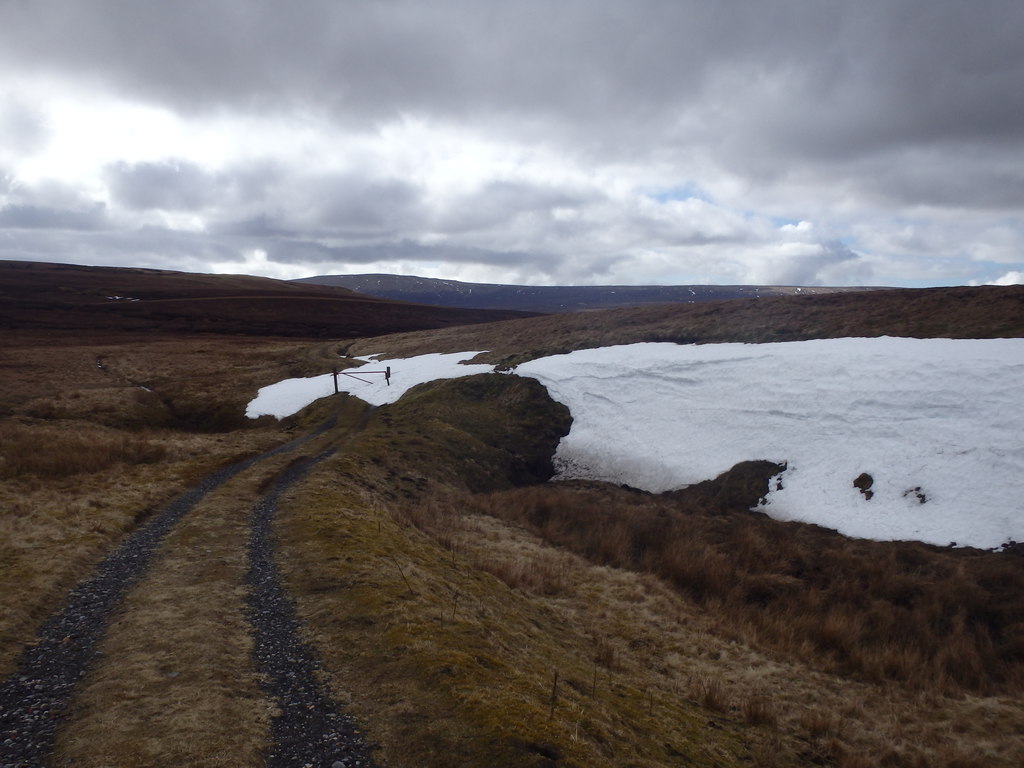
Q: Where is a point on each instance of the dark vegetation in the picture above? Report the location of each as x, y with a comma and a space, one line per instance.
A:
548, 298
61, 297
980, 312
475, 434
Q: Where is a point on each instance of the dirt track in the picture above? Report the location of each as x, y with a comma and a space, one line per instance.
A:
37, 699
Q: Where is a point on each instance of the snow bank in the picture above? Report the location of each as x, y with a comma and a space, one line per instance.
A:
292, 395
932, 419
937, 419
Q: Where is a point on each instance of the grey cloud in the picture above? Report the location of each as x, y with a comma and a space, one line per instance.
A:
870, 105
500, 203
260, 226
48, 205
146, 247
822, 266
22, 126
173, 185
875, 67
282, 202
297, 252
977, 179
19, 216
356, 206
785, 80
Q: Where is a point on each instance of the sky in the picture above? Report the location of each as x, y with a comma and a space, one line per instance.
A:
934, 422
538, 142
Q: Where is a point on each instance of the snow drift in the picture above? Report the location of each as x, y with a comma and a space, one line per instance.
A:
934, 424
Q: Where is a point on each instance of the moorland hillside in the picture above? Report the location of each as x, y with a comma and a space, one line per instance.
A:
463, 610
980, 312
90, 300
551, 298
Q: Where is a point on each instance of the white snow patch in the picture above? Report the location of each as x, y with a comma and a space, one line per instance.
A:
938, 415
292, 395
937, 418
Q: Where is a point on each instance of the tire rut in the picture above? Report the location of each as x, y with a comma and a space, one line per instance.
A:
35, 697
309, 729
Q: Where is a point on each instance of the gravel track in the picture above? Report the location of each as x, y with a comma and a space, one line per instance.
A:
36, 695
309, 729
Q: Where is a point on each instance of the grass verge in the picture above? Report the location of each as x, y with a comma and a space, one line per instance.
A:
444, 612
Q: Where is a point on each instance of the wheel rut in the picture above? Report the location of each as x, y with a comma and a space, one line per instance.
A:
309, 729
36, 698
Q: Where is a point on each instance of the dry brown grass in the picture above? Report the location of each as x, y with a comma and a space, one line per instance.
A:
404, 621
444, 629
947, 619
92, 462
667, 640
58, 450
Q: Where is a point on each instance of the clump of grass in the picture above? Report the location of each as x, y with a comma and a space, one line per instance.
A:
48, 452
542, 575
817, 723
710, 692
459, 669
759, 709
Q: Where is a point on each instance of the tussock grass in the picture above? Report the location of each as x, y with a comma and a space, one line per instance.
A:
445, 662
57, 451
899, 612
693, 648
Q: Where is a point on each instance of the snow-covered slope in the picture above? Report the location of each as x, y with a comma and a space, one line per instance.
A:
292, 395
936, 423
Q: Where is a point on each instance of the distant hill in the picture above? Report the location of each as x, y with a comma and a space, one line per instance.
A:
549, 298
980, 312
38, 296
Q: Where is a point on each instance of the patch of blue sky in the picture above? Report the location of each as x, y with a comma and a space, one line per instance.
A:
685, 191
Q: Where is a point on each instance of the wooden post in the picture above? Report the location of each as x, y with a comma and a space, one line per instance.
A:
554, 696
335, 374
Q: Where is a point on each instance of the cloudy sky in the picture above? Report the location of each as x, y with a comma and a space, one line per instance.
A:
807, 142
